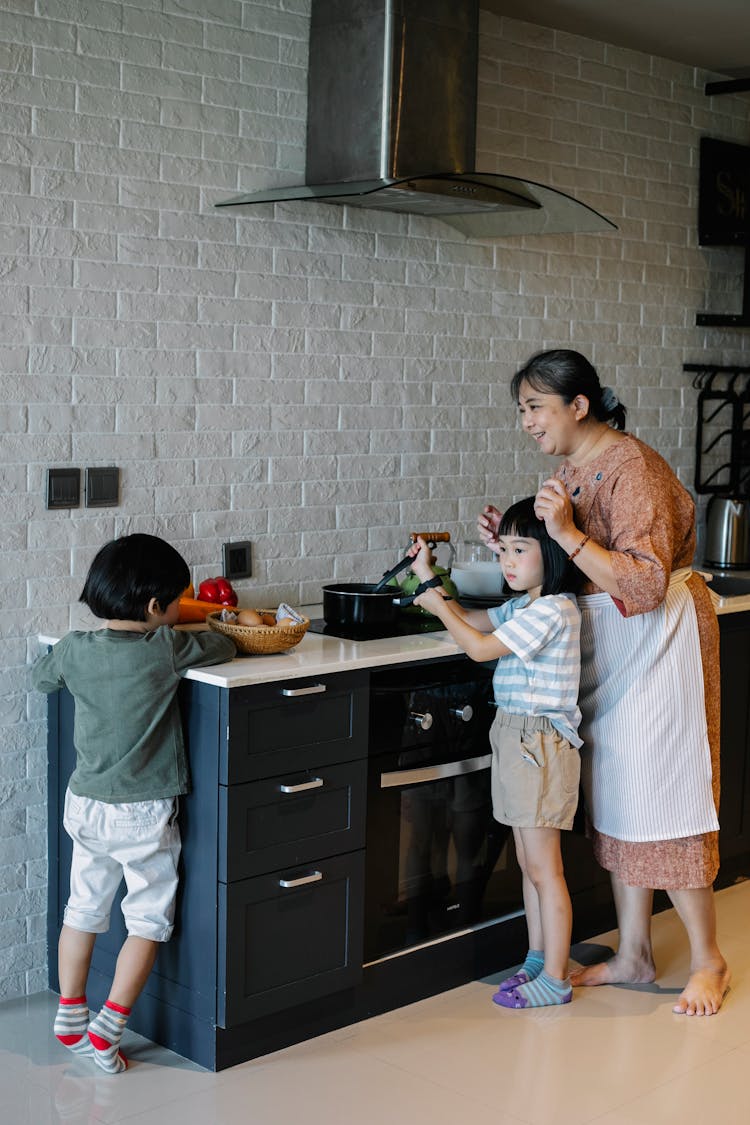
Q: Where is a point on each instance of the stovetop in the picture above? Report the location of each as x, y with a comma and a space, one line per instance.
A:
406, 626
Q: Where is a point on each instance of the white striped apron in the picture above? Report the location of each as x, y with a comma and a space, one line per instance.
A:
645, 759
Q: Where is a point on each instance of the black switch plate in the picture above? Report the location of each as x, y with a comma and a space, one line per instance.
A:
102, 487
237, 559
63, 488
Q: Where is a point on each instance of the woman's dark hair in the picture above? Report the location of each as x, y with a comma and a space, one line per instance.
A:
568, 373
560, 575
128, 572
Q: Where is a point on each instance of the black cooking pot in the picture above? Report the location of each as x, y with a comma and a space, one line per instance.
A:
358, 605
363, 605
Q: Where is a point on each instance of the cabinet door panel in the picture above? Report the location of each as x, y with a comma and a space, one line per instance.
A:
288, 820
734, 808
286, 945
284, 726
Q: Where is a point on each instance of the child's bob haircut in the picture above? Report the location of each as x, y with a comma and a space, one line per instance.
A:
128, 572
560, 575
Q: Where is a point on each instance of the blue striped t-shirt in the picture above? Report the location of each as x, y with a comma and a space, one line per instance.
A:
542, 673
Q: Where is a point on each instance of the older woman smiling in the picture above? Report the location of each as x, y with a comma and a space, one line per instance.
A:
649, 676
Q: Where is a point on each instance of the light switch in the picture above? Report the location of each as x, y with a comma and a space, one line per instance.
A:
102, 488
63, 488
237, 559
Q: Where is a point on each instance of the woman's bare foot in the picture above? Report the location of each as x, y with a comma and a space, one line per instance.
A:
704, 992
618, 970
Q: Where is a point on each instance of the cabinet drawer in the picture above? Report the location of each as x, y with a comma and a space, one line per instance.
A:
278, 727
288, 820
282, 945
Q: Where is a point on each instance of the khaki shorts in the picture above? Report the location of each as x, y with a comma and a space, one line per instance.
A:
535, 773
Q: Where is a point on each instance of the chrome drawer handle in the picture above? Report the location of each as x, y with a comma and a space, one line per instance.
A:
315, 783
314, 690
465, 713
314, 878
424, 722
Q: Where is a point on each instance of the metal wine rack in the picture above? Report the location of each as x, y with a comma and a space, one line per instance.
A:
722, 441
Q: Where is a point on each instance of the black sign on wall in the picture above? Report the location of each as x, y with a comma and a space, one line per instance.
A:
724, 194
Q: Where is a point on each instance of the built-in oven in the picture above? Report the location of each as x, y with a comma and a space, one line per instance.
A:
437, 861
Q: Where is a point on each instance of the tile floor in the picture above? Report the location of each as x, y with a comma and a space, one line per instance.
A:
615, 1056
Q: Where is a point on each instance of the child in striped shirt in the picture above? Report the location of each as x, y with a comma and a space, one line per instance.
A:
535, 638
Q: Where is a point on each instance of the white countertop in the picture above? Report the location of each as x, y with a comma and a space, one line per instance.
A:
318, 655
738, 603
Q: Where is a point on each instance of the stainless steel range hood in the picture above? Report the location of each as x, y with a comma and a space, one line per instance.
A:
392, 97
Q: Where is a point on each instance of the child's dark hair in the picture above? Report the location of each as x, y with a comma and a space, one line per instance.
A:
128, 572
560, 575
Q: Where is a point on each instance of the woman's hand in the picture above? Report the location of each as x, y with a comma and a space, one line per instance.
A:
422, 558
552, 504
488, 521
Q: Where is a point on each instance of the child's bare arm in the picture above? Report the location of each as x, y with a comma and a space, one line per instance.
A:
478, 645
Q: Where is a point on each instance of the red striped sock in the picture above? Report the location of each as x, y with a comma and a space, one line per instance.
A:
71, 1024
105, 1032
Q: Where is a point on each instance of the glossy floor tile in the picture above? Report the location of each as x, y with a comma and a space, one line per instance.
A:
615, 1056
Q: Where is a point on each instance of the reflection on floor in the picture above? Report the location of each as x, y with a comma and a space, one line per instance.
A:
615, 1056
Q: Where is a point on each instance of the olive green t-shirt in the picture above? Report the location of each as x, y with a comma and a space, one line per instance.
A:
127, 730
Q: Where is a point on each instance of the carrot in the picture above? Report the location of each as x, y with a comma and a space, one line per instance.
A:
192, 609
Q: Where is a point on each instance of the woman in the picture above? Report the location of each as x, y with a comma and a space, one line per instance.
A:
650, 667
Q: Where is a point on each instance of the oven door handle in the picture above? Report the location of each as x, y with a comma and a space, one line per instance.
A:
434, 773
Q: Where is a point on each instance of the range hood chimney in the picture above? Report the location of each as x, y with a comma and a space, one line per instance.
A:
392, 96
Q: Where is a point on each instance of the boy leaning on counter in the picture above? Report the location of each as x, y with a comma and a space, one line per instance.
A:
131, 767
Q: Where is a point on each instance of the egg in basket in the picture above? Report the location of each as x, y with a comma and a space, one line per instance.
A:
259, 631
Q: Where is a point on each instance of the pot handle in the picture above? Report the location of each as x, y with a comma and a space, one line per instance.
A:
389, 574
431, 536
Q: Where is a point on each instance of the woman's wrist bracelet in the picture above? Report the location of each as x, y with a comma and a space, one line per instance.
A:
579, 548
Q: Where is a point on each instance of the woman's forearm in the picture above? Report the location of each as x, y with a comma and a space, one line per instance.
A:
591, 558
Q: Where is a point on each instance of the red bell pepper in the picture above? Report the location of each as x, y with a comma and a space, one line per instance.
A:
217, 590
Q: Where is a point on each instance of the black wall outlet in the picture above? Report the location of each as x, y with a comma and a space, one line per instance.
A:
237, 559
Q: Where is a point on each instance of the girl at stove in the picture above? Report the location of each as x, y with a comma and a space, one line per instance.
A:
535, 638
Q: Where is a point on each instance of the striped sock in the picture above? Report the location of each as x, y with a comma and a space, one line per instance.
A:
538, 993
71, 1024
105, 1033
530, 970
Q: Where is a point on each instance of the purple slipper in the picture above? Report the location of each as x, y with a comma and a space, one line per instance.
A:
510, 998
520, 977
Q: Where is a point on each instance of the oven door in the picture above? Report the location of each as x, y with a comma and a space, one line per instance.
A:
437, 861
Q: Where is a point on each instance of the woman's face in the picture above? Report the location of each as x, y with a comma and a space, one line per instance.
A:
550, 421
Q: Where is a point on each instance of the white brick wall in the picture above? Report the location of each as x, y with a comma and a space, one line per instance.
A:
316, 379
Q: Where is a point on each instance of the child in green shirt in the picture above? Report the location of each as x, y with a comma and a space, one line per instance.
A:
131, 767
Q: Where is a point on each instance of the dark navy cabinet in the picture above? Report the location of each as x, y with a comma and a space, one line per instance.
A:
734, 812
270, 906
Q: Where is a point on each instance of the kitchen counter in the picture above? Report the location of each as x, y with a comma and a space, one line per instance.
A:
318, 655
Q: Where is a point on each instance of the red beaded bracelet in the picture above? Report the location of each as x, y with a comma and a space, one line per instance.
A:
580, 547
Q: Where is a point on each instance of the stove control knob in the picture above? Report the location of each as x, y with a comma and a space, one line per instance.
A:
465, 714
422, 721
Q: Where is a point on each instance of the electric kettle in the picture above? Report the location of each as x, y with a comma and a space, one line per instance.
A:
728, 533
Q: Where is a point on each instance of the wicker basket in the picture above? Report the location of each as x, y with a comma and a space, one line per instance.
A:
259, 639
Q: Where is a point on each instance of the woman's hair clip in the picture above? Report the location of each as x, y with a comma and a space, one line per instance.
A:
610, 401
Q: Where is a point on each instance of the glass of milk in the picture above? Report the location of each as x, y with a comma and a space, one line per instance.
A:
476, 571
